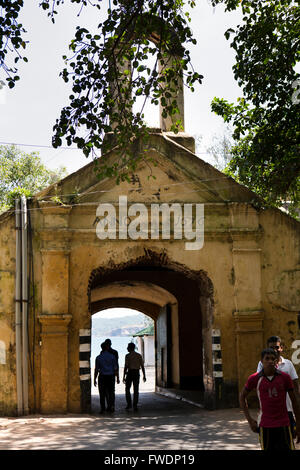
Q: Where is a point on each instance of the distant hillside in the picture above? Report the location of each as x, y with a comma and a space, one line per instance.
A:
121, 326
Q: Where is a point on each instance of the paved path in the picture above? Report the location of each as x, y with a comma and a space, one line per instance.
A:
165, 426
161, 423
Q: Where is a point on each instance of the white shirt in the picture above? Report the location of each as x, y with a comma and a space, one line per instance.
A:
286, 366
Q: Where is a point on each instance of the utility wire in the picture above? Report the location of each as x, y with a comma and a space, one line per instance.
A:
113, 202
74, 148
165, 187
40, 146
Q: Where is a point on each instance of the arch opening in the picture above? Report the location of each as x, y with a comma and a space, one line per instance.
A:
120, 325
180, 302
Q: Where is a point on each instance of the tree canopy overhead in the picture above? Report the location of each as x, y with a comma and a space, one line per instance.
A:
109, 71
265, 119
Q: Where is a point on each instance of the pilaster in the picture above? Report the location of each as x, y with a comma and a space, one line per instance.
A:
55, 281
249, 342
54, 362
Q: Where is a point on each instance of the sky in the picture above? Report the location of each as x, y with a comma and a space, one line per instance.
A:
116, 313
29, 111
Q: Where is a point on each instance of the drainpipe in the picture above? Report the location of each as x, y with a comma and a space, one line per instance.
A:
24, 226
18, 310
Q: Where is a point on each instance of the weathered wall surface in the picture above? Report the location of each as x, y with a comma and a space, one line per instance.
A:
281, 280
7, 317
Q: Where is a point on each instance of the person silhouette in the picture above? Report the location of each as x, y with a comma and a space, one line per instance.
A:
133, 363
116, 354
106, 369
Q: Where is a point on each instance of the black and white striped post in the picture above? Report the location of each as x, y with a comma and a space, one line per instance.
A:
85, 369
217, 366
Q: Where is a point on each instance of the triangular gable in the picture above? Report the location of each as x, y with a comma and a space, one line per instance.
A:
178, 174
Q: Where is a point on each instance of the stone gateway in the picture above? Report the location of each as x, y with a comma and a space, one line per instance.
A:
213, 308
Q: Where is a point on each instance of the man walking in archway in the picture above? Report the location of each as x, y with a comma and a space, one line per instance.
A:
106, 368
133, 363
116, 354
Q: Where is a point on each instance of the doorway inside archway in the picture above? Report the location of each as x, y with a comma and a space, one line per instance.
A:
123, 326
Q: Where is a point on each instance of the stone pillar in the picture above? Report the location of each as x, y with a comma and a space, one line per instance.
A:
246, 273
55, 283
248, 313
207, 330
120, 87
247, 276
177, 85
249, 342
54, 363
54, 321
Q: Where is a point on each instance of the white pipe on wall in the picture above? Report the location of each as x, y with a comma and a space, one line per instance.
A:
24, 302
18, 310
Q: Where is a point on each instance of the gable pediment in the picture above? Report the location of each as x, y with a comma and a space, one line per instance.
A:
175, 174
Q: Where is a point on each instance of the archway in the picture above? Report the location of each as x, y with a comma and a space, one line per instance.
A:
123, 326
157, 303
181, 303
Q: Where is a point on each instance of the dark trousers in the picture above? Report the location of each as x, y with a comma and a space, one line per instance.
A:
133, 377
276, 438
106, 385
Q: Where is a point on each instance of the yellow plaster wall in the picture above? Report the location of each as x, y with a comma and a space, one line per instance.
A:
7, 317
280, 255
244, 250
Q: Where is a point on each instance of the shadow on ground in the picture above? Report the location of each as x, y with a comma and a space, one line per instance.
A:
161, 423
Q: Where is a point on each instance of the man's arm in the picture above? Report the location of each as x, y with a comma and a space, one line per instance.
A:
244, 405
117, 373
143, 370
125, 369
293, 374
142, 367
296, 409
95, 374
116, 369
125, 373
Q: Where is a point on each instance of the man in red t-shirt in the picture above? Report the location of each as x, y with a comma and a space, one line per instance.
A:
271, 386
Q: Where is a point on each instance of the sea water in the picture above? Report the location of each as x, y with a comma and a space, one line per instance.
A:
119, 343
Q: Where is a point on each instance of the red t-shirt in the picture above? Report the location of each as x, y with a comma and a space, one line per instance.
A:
272, 397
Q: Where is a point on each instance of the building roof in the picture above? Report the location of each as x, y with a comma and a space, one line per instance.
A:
178, 175
148, 331
175, 165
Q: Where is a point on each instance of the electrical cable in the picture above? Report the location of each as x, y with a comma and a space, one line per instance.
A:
75, 148
135, 189
32, 304
113, 202
40, 146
